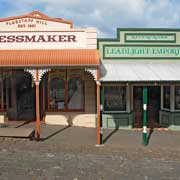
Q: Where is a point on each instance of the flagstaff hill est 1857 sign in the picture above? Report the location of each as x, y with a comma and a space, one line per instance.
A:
141, 44
38, 31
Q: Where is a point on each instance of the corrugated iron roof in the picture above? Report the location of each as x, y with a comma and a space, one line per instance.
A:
141, 71
78, 57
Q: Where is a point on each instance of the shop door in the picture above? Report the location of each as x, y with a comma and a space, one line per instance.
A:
25, 97
153, 106
138, 104
26, 104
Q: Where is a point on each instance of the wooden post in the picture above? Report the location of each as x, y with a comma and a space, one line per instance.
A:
37, 106
99, 111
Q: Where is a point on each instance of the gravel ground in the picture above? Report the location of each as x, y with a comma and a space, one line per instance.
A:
71, 154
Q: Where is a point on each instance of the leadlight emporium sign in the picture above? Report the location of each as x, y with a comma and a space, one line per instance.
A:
43, 40
150, 37
141, 43
141, 52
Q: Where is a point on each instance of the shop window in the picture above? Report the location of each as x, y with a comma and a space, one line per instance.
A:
177, 97
166, 97
75, 94
1, 95
115, 98
66, 90
57, 93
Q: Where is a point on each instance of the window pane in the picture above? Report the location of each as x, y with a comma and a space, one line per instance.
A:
57, 93
75, 94
115, 98
166, 97
177, 97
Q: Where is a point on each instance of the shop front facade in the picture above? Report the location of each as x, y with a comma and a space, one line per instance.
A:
48, 71
138, 60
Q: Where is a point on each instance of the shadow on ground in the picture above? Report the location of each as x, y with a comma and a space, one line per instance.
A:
54, 133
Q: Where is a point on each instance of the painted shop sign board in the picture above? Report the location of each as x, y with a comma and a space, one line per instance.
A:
45, 40
141, 44
38, 31
150, 37
143, 51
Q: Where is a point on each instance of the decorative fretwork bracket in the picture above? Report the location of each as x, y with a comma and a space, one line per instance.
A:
37, 76
93, 72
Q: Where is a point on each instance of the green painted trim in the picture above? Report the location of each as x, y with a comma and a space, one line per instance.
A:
117, 121
174, 128
101, 94
149, 29
140, 82
145, 100
118, 30
150, 41
138, 45
145, 142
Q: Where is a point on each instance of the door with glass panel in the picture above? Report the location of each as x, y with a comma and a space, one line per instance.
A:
137, 105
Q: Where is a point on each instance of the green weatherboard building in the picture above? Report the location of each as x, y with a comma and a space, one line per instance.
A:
140, 78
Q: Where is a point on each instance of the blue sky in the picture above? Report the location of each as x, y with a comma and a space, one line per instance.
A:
105, 15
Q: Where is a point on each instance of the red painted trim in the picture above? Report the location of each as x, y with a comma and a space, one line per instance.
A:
98, 108
37, 75
37, 112
37, 106
42, 17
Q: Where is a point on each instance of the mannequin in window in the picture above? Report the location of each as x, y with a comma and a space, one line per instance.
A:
76, 97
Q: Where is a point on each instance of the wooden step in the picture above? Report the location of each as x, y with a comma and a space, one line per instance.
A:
17, 132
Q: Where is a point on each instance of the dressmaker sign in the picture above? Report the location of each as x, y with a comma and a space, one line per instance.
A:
43, 40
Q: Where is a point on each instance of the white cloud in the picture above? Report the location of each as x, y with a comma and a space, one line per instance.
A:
105, 15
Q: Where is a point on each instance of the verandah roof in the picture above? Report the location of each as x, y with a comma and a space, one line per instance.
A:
141, 72
37, 58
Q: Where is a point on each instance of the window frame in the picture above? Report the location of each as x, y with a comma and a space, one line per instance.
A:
174, 102
163, 108
66, 80
126, 98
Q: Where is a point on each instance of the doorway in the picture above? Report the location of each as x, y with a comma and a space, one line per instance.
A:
153, 106
23, 103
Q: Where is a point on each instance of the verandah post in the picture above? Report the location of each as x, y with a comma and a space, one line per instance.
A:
98, 112
145, 115
37, 106
101, 112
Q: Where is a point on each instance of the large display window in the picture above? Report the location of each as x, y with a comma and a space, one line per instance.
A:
57, 93
177, 98
75, 93
66, 90
114, 98
166, 97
